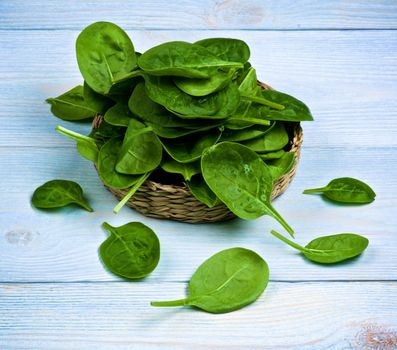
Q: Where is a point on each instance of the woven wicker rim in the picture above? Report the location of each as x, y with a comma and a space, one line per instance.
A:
175, 202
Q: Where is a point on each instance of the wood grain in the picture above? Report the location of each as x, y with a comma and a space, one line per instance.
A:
118, 316
347, 78
205, 14
62, 245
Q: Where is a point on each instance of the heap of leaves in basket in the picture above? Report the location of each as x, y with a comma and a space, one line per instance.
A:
191, 109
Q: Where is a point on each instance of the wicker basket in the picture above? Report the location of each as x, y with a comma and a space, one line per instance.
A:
175, 202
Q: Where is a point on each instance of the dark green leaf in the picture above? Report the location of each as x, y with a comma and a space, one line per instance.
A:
281, 166
187, 170
227, 281
107, 160
330, 249
188, 149
118, 115
95, 101
241, 180
274, 140
86, 145
59, 193
227, 49
202, 192
183, 59
141, 150
105, 54
218, 105
131, 251
71, 105
346, 190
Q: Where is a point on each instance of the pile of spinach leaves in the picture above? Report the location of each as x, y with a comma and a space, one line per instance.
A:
166, 108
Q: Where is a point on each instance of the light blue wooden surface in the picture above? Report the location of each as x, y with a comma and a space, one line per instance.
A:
340, 57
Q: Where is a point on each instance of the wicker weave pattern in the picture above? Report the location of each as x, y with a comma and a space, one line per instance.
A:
177, 203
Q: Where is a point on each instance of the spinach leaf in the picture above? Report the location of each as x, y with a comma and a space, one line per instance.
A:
246, 134
106, 131
131, 251
330, 249
141, 150
86, 145
59, 193
97, 102
201, 191
173, 133
187, 170
105, 54
107, 160
183, 59
202, 87
346, 190
272, 155
294, 111
71, 105
188, 149
241, 180
218, 105
118, 115
227, 281
152, 112
227, 49
279, 167
274, 140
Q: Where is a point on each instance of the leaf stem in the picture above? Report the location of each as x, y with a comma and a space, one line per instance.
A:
178, 302
279, 218
263, 101
131, 192
74, 135
251, 120
289, 242
314, 190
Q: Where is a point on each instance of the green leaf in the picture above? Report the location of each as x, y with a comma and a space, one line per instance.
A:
107, 160
330, 249
71, 105
294, 111
281, 166
86, 145
227, 281
105, 54
131, 251
141, 151
241, 180
202, 192
118, 115
272, 155
227, 49
59, 193
95, 101
203, 87
187, 170
346, 190
190, 148
183, 59
246, 134
274, 140
218, 105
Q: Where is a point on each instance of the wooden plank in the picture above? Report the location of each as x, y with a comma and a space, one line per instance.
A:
350, 88
62, 246
117, 315
206, 14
